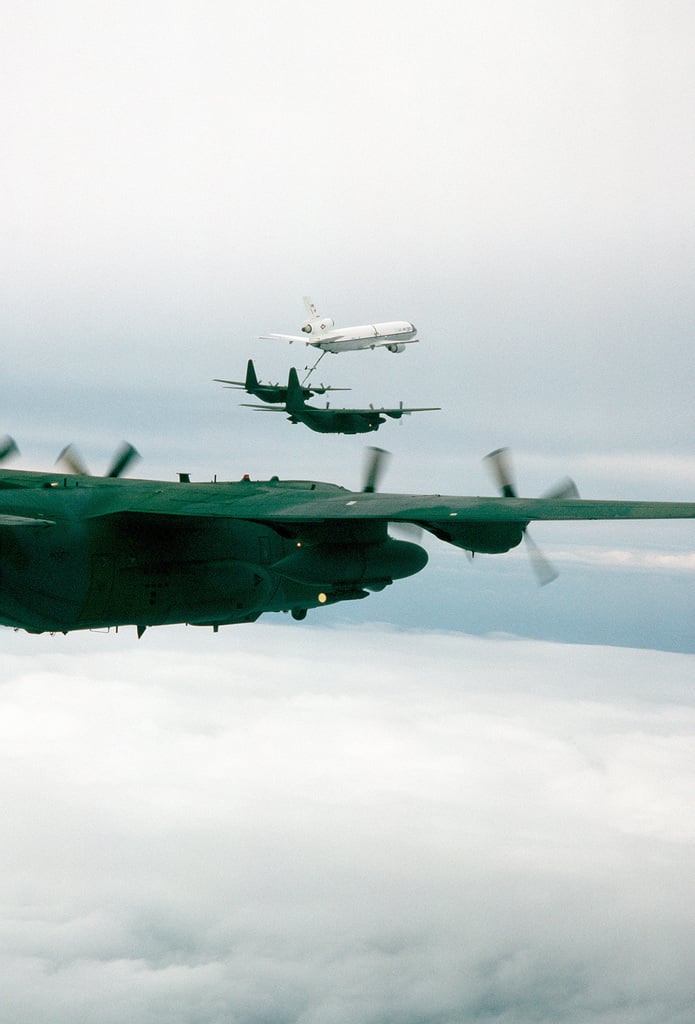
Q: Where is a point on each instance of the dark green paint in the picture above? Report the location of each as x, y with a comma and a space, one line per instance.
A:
333, 421
272, 393
80, 552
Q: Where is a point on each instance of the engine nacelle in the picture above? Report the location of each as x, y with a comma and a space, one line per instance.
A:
356, 565
318, 325
484, 537
396, 348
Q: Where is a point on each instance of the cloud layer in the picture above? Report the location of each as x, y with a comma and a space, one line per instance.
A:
276, 824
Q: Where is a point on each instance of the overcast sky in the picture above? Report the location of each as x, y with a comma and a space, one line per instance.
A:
341, 821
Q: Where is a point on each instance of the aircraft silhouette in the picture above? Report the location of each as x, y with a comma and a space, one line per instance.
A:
334, 421
86, 552
321, 333
272, 393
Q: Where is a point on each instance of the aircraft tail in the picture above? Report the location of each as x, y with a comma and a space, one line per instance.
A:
295, 396
251, 378
310, 307
316, 323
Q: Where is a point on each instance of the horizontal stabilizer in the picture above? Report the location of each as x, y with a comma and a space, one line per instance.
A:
284, 337
7, 520
262, 408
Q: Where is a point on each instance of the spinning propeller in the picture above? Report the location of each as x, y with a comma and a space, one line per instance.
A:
8, 447
500, 467
72, 460
377, 459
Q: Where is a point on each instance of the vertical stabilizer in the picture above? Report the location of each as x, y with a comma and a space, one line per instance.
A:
295, 396
251, 378
315, 324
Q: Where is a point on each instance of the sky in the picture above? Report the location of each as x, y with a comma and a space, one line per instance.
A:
464, 797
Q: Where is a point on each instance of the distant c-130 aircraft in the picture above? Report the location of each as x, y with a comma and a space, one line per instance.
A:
334, 421
273, 393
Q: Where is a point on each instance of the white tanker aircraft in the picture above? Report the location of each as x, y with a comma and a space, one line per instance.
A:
320, 332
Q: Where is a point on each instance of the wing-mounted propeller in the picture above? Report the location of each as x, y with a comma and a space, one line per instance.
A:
8, 447
125, 456
73, 462
377, 461
499, 463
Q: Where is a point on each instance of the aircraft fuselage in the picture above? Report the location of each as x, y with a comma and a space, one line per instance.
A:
346, 339
333, 421
91, 572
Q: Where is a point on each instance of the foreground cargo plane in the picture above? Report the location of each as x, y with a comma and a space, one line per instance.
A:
85, 552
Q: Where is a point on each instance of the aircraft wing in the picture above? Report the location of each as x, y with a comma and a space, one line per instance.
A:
315, 503
445, 509
239, 384
370, 410
309, 502
395, 413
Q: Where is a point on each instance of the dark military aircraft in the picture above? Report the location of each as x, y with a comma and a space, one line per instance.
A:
273, 393
334, 421
86, 552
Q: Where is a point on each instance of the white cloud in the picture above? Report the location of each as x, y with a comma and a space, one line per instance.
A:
621, 559
316, 825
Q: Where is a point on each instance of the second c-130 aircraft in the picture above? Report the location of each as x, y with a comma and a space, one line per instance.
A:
334, 421
84, 552
273, 393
